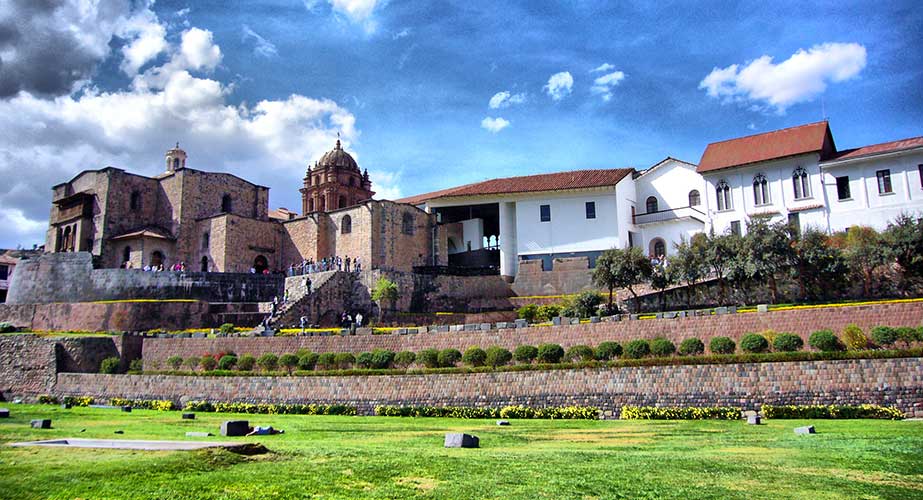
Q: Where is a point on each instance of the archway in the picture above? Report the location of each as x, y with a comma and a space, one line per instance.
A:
204, 264
126, 256
157, 258
658, 247
260, 264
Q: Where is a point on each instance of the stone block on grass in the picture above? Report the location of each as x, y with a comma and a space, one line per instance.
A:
502, 325
721, 310
66, 406
126, 409
471, 327
188, 416
43, 423
809, 429
754, 420
459, 440
442, 328
199, 434
503, 422
4, 413
521, 323
556, 321
575, 321
484, 326
762, 308
235, 428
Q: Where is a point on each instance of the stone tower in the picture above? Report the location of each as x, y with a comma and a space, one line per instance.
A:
176, 159
335, 182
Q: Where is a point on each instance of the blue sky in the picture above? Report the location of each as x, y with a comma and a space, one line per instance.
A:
409, 85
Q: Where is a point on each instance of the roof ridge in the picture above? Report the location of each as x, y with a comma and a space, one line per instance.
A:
772, 131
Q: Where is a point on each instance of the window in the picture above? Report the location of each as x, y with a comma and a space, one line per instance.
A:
175, 163
342, 202
800, 181
545, 213
651, 204
205, 241
4, 272
694, 198
884, 181
126, 255
226, 203
760, 190
311, 205
204, 264
157, 258
794, 221
407, 224
346, 225
723, 194
842, 188
135, 202
658, 248
322, 204
735, 227
591, 210
316, 180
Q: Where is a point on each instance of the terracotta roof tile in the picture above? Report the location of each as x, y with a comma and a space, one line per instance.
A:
876, 149
577, 179
802, 139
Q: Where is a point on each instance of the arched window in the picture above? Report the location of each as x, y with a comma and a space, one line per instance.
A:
205, 241
226, 203
204, 267
800, 181
342, 202
135, 202
651, 204
694, 198
723, 195
407, 224
175, 163
156, 258
260, 264
311, 205
760, 190
346, 225
322, 204
126, 255
317, 180
658, 248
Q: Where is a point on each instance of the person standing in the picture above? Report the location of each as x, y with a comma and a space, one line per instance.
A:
358, 320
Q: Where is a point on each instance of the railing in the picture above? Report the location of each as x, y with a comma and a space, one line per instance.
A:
670, 214
457, 270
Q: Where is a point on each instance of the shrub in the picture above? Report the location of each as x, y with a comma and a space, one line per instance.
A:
174, 362
77, 400
208, 363
854, 338
474, 356
307, 360
580, 353
831, 411
109, 365
404, 359
268, 362
227, 362
246, 362
908, 335
270, 408
884, 336
47, 399
192, 362
326, 361
525, 354
548, 311
722, 345
344, 360
136, 366
7, 327
528, 312
498, 356
449, 357
585, 304
364, 360
662, 348
382, 359
691, 347
289, 361
824, 340
677, 413
754, 342
145, 404
787, 342
554, 412
429, 358
608, 350
226, 328
550, 353
636, 349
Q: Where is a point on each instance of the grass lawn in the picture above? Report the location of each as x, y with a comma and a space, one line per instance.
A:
380, 457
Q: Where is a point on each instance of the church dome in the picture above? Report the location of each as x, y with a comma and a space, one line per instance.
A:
338, 158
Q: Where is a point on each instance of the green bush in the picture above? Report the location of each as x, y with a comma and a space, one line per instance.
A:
525, 354
307, 360
548, 311
246, 362
831, 411
326, 361
145, 404
580, 353
109, 365
136, 366
854, 338
754, 342
449, 357
561, 412
550, 353
553, 412
77, 400
585, 304
661, 347
208, 363
498, 356
289, 361
825, 340
679, 413
344, 360
908, 335
226, 328
722, 345
404, 359
636, 349
608, 350
47, 399
528, 312
174, 362
787, 342
428, 358
268, 362
270, 409
691, 347
227, 362
884, 336
192, 362
7, 327
474, 356
382, 359
364, 360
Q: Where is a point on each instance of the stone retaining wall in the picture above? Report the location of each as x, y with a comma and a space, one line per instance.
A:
802, 322
896, 382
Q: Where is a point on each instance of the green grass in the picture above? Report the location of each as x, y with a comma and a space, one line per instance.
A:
380, 457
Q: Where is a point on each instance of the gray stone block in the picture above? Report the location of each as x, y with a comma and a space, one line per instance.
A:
442, 328
668, 315
732, 309
471, 327
485, 326
595, 319
502, 325
805, 430
683, 314
557, 320
41, 424
459, 440
503, 422
633, 316
762, 308
235, 427
575, 321
721, 310
521, 323
4, 413
198, 335
188, 416
199, 434
754, 420
659, 315
126, 409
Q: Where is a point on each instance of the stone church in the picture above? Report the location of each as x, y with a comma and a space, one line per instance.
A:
218, 222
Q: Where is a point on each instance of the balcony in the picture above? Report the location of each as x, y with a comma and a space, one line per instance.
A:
670, 215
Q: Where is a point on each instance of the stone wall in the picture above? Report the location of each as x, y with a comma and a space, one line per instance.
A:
569, 275
101, 317
27, 366
896, 382
801, 322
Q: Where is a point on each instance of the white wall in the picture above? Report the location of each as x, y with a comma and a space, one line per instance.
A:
569, 229
473, 234
670, 183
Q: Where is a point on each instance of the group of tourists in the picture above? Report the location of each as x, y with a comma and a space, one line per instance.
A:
179, 267
336, 263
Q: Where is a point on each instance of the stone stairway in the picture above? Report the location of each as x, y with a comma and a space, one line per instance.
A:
331, 293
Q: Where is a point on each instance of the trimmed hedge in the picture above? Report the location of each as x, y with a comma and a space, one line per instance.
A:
754, 342
554, 412
825, 340
78, 400
270, 409
691, 347
722, 345
787, 342
145, 404
680, 413
831, 411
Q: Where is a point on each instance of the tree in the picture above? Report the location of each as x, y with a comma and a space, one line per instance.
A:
688, 265
385, 291
661, 279
622, 268
818, 266
904, 236
865, 252
769, 251
719, 250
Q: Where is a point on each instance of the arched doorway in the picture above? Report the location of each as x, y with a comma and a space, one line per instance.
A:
260, 264
157, 258
658, 248
204, 263
126, 256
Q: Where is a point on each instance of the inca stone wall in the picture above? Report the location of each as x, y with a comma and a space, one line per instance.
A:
568, 275
27, 366
896, 382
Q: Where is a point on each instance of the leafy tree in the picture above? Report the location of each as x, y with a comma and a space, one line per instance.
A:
904, 236
662, 277
689, 265
769, 251
498, 356
268, 362
585, 304
385, 292
819, 267
474, 356
720, 251
622, 268
289, 361
525, 354
865, 252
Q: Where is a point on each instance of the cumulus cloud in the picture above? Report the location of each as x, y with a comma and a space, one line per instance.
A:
494, 125
148, 41
800, 78
603, 85
357, 11
602, 67
261, 46
505, 99
560, 85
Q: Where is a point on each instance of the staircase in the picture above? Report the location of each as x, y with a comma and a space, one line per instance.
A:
332, 292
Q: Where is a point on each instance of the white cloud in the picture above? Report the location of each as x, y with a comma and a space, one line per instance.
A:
505, 99
357, 11
800, 78
602, 67
148, 41
604, 84
494, 125
262, 46
560, 85
401, 34
387, 185
199, 50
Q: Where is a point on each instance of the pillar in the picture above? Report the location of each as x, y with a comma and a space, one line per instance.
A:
509, 255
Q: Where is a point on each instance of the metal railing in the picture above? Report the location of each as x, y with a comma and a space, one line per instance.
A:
670, 214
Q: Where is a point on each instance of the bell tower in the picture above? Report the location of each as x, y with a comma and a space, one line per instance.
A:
334, 182
176, 159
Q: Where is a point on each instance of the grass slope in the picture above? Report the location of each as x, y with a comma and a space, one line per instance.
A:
378, 457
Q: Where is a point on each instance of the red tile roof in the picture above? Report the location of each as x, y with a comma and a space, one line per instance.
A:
810, 138
876, 149
577, 179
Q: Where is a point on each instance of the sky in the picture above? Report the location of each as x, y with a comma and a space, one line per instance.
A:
429, 95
